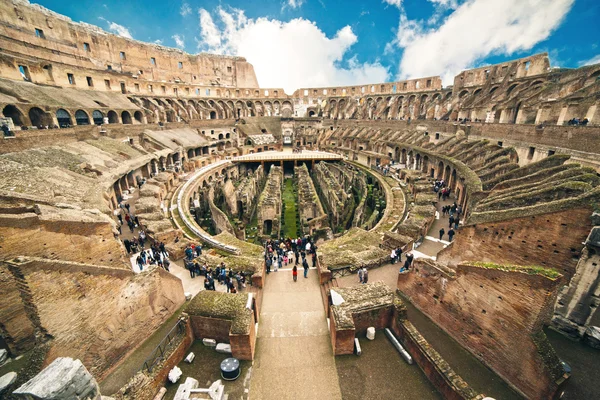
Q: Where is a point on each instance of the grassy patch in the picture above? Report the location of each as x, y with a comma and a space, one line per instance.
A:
290, 210
527, 269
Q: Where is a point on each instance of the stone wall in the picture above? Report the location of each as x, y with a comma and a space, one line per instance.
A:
211, 328
497, 315
551, 240
577, 304
68, 235
96, 314
312, 215
269, 204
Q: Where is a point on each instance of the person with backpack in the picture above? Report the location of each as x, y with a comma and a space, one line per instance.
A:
365, 275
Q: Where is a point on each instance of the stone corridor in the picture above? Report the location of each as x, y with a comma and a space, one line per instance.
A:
294, 359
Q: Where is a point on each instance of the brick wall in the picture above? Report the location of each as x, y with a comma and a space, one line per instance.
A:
99, 318
211, 328
498, 316
551, 240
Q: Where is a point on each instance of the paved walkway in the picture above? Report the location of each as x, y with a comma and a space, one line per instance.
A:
294, 359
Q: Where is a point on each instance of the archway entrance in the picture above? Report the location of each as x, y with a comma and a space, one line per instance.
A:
64, 118
39, 117
13, 112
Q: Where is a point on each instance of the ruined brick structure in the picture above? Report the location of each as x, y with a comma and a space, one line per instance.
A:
268, 209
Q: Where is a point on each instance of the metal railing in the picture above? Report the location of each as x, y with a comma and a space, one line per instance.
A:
161, 350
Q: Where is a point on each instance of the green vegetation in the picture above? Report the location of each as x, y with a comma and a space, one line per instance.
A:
289, 209
527, 269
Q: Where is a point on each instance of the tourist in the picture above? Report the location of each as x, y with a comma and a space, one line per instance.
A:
142, 236
398, 254
268, 263
305, 266
450, 221
442, 231
127, 206
120, 217
162, 249
295, 273
127, 244
361, 274
275, 263
365, 275
314, 258
190, 266
166, 263
393, 256
409, 260
456, 220
451, 234
140, 262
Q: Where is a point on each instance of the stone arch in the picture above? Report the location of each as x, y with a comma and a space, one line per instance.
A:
64, 118
138, 116
440, 170
126, 117
97, 117
82, 118
39, 117
213, 114
113, 117
592, 78
447, 173
11, 111
511, 89
403, 159
287, 109
462, 94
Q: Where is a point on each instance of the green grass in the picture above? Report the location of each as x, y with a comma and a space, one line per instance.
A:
528, 269
290, 221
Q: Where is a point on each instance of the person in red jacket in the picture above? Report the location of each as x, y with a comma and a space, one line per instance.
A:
295, 273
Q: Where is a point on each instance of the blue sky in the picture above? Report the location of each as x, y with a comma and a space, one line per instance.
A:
306, 43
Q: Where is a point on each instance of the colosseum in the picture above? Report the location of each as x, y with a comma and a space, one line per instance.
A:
160, 213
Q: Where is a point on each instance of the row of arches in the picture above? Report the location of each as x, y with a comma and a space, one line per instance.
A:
64, 118
175, 110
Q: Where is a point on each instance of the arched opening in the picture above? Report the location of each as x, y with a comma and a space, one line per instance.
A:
97, 117
138, 116
227, 135
268, 227
220, 136
113, 118
311, 113
39, 117
81, 118
13, 112
511, 89
126, 117
440, 170
447, 173
64, 118
213, 115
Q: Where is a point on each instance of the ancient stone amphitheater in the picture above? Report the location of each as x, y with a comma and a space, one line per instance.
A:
203, 155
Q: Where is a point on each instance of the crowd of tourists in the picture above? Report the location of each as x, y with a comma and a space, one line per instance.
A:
233, 281
284, 252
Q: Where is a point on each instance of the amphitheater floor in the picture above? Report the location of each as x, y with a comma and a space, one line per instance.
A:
294, 359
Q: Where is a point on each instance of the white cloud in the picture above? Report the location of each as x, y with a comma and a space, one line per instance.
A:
209, 33
476, 29
179, 41
591, 61
158, 41
117, 29
185, 9
397, 3
293, 4
290, 54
